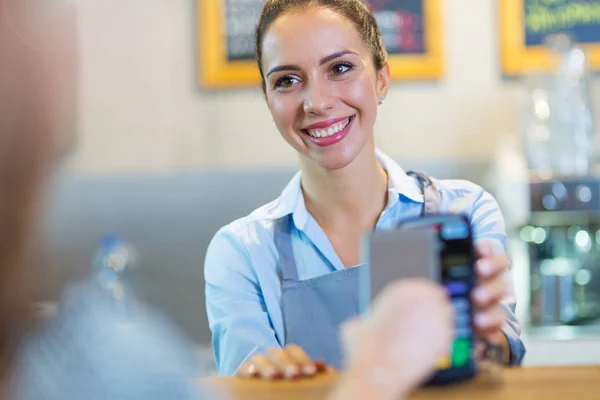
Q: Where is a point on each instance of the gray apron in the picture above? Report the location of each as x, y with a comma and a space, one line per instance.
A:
313, 309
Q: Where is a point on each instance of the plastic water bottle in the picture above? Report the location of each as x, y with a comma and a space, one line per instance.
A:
112, 260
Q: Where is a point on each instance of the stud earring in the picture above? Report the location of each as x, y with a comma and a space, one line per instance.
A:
381, 100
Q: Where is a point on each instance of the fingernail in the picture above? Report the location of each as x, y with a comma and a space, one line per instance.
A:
309, 370
291, 371
480, 295
270, 372
481, 319
486, 248
320, 365
247, 371
485, 267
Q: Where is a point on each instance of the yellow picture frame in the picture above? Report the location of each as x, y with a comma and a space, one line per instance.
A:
517, 58
427, 66
214, 71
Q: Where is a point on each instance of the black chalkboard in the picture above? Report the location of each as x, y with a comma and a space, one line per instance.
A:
525, 25
241, 17
411, 31
581, 18
402, 24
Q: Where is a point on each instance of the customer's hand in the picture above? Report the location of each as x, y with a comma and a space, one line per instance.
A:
491, 287
289, 362
394, 348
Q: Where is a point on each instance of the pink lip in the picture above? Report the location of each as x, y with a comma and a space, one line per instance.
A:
333, 139
325, 124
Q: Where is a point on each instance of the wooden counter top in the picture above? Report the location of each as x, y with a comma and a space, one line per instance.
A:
544, 383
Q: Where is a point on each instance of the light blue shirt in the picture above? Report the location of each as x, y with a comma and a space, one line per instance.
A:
98, 346
243, 273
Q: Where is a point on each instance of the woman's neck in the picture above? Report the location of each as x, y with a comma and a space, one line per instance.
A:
350, 198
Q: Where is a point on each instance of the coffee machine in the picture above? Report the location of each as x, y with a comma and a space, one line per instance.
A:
563, 240
562, 231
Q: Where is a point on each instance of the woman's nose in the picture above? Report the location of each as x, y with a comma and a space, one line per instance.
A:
318, 100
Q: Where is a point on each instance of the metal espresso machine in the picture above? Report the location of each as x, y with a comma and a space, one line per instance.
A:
563, 227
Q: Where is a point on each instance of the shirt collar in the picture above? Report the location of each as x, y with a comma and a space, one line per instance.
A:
399, 183
291, 200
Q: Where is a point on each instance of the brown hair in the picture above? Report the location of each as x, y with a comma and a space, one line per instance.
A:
28, 85
356, 11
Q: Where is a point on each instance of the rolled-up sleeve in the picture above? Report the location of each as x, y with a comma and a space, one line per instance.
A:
235, 306
488, 225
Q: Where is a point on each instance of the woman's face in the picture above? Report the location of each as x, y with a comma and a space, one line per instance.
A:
321, 85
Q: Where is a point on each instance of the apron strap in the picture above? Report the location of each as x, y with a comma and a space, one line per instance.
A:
283, 243
432, 204
432, 200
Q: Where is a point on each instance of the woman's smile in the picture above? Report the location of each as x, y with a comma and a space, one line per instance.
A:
329, 132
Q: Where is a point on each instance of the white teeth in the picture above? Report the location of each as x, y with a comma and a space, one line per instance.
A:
335, 128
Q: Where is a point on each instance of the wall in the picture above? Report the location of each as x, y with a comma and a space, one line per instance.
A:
141, 108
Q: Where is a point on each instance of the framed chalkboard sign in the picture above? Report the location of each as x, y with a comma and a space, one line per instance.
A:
524, 24
411, 30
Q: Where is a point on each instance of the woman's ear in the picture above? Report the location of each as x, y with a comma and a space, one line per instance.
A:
383, 81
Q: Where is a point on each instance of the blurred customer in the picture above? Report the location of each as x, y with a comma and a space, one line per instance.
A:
99, 345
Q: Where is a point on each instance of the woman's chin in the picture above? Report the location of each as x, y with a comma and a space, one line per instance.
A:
334, 160
337, 156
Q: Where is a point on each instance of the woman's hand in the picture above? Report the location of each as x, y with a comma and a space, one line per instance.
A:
394, 348
491, 287
290, 362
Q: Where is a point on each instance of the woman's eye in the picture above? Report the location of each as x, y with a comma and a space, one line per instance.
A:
285, 82
341, 68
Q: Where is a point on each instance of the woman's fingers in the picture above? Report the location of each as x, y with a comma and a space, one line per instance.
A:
488, 294
248, 370
321, 366
265, 368
290, 362
489, 323
285, 364
307, 366
491, 267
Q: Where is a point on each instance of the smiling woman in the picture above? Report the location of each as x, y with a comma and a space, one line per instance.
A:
281, 281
